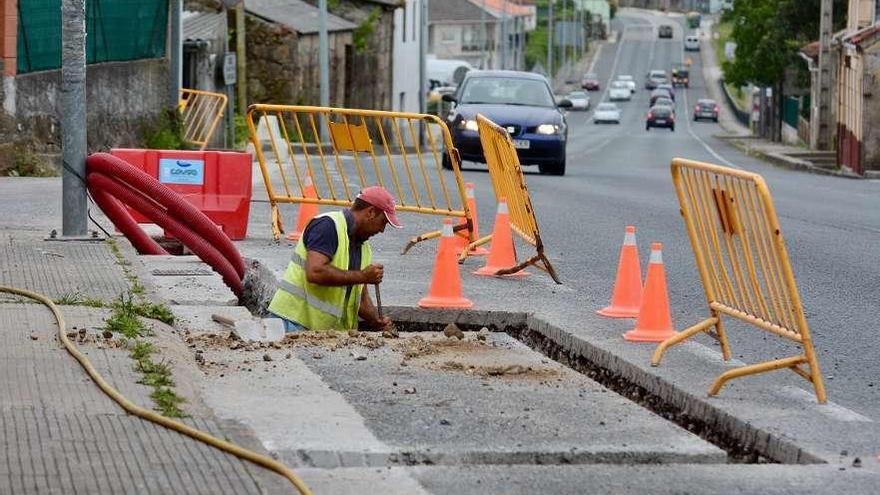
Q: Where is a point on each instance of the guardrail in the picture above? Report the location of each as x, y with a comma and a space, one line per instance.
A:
200, 111
743, 264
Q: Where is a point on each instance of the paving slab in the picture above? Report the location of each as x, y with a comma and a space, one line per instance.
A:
186, 281
59, 268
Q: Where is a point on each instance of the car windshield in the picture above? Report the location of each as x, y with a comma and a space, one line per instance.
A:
707, 104
625, 78
663, 102
606, 107
661, 111
619, 85
590, 76
577, 95
507, 91
657, 73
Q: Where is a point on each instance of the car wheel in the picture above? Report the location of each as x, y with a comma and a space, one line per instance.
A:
447, 163
552, 168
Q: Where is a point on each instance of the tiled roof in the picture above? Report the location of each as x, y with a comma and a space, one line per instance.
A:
862, 36
456, 11
204, 26
296, 14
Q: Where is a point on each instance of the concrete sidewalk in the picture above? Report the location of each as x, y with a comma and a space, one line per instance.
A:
60, 433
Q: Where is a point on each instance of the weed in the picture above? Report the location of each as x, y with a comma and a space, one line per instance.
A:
155, 311
164, 132
155, 374
142, 350
124, 318
167, 402
77, 299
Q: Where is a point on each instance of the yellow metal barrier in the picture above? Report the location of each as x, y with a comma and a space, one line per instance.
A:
509, 183
743, 264
201, 111
402, 152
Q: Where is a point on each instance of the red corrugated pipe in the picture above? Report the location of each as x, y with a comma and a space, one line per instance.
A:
114, 182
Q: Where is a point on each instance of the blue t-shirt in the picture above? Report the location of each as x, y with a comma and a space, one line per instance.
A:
320, 236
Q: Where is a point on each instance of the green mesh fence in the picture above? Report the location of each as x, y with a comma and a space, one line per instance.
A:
115, 30
790, 108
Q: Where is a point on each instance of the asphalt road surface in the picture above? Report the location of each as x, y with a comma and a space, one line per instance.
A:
619, 175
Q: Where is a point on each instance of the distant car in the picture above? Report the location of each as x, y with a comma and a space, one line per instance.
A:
660, 116
629, 81
659, 93
667, 87
520, 102
664, 31
579, 100
692, 43
606, 112
681, 77
693, 19
663, 102
619, 90
654, 78
590, 82
706, 109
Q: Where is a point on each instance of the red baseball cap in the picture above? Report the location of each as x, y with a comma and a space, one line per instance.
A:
378, 197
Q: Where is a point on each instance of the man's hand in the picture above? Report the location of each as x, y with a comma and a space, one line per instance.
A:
381, 323
373, 274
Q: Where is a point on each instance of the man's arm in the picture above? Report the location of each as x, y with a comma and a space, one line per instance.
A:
319, 271
369, 313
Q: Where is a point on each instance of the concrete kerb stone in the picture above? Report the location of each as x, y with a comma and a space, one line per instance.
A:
692, 412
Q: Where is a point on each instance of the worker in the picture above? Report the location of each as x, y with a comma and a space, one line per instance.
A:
323, 287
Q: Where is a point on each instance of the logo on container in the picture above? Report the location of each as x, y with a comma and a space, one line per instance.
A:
176, 171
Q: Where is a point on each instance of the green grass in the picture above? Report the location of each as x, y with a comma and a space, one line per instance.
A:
77, 299
158, 376
168, 402
124, 318
724, 29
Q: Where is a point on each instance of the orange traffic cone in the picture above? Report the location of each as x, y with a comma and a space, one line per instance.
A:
307, 211
445, 289
462, 235
655, 321
501, 254
627, 295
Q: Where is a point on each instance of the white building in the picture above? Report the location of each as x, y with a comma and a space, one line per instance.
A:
405, 65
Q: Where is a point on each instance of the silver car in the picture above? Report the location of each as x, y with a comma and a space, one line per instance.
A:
579, 100
606, 112
619, 90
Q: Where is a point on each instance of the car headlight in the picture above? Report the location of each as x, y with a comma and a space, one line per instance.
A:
468, 124
548, 129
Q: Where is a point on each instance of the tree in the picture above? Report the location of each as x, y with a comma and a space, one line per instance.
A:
768, 35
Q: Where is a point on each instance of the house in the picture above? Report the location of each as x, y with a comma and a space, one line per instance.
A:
406, 57
282, 53
204, 45
857, 89
488, 34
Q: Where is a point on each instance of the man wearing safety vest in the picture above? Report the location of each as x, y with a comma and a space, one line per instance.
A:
323, 287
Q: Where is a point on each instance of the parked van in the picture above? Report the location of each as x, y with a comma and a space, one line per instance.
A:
692, 43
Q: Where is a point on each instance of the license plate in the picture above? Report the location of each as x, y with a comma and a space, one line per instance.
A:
660, 121
521, 144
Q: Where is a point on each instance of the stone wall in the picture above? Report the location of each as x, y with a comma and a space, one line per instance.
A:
369, 79
282, 65
120, 96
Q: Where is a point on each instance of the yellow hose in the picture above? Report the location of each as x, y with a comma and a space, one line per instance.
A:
132, 408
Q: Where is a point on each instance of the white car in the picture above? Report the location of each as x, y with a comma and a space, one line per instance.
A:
579, 100
629, 80
619, 90
606, 112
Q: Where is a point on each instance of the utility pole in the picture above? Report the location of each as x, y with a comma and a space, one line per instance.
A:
503, 34
823, 140
240, 58
423, 67
323, 54
550, 39
73, 118
175, 55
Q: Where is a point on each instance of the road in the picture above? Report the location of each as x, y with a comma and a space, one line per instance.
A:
619, 175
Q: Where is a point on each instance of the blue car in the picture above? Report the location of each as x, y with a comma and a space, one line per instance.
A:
520, 102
